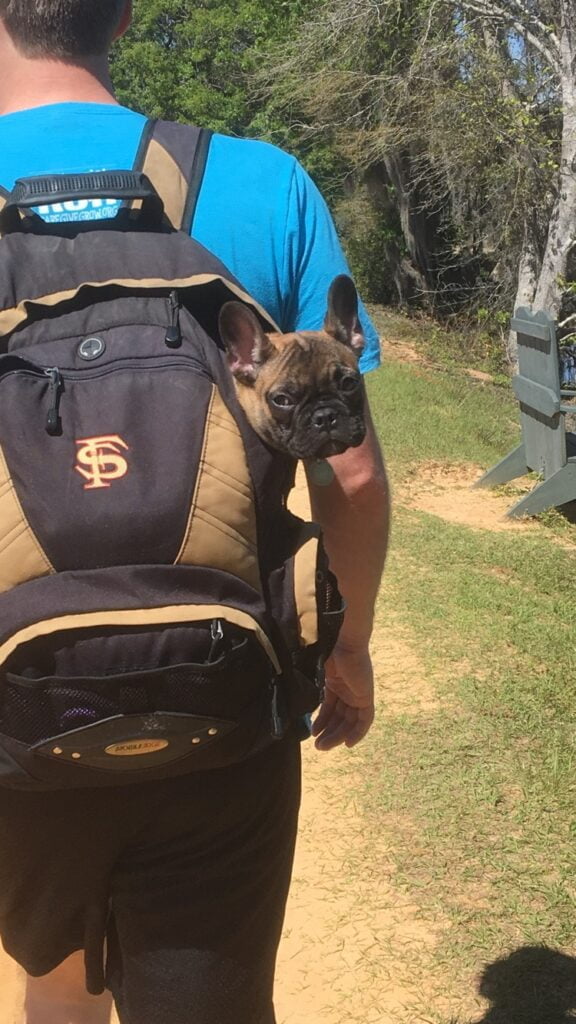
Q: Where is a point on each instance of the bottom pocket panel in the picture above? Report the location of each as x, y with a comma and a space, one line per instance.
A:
34, 710
67, 729
24, 767
135, 741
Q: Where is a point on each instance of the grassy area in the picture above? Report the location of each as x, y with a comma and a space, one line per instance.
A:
482, 790
424, 415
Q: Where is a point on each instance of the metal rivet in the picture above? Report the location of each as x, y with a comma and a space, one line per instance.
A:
212, 732
196, 740
57, 750
76, 756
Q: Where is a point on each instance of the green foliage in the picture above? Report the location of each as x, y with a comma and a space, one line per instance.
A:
192, 61
433, 131
462, 114
372, 239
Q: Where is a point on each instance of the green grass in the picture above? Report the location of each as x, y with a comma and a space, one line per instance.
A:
482, 790
424, 415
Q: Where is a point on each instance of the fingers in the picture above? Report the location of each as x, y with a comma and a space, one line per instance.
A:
338, 723
347, 711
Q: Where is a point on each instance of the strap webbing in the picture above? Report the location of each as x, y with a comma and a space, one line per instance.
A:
174, 157
4, 193
196, 179
143, 144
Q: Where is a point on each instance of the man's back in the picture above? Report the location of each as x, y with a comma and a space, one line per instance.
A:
258, 210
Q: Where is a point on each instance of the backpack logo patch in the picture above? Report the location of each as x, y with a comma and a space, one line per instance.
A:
103, 459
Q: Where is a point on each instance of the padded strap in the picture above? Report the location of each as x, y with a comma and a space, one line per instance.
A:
174, 157
4, 193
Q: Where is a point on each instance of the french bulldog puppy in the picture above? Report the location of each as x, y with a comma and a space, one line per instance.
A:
301, 392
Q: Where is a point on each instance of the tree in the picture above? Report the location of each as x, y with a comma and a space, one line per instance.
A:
191, 61
466, 110
548, 33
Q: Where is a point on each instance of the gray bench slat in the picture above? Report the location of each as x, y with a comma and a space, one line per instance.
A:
531, 329
536, 396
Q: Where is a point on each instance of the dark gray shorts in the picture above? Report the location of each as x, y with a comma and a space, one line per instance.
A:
184, 881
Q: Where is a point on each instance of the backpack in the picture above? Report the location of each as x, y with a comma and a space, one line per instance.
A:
567, 363
161, 610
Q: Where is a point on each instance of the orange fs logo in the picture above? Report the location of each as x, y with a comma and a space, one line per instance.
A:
103, 458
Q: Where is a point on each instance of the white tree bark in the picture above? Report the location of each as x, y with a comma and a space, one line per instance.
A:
562, 230
557, 46
528, 273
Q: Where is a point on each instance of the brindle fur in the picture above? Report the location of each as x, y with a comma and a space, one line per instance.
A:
310, 367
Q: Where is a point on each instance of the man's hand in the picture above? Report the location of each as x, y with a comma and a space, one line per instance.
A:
347, 711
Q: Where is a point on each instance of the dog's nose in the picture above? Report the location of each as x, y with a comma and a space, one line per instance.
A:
324, 419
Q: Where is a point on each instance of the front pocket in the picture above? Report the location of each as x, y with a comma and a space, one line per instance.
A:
34, 710
103, 462
185, 682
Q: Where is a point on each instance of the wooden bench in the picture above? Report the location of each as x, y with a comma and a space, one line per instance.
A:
546, 447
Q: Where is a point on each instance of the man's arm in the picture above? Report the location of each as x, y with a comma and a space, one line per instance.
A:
354, 513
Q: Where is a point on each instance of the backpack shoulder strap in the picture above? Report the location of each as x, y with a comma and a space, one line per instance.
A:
4, 193
174, 158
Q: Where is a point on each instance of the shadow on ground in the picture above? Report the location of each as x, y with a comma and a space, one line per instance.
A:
533, 985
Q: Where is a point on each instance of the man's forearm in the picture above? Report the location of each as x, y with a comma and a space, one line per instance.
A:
354, 513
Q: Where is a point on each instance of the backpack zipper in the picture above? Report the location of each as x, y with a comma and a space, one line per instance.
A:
173, 336
57, 378
55, 390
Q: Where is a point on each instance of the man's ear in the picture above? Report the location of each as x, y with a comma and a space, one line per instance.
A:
125, 20
341, 320
247, 346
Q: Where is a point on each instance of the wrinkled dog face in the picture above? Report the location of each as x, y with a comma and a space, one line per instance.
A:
302, 392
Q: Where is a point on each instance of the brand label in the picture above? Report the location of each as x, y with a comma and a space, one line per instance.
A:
131, 748
99, 460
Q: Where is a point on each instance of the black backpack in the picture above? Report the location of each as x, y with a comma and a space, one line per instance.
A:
161, 611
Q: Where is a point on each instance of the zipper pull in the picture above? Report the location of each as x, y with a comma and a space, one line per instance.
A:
216, 630
53, 425
173, 337
217, 635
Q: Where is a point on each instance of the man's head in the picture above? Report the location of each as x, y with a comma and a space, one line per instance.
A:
70, 30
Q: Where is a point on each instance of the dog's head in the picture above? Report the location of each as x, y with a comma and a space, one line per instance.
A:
301, 392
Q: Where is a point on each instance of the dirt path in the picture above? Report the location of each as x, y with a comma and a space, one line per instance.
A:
352, 932
348, 927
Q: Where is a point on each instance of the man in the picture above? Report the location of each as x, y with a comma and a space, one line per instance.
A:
197, 893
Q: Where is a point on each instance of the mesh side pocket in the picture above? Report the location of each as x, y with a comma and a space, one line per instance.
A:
331, 611
309, 611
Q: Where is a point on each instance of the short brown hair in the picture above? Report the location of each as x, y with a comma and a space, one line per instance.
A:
62, 28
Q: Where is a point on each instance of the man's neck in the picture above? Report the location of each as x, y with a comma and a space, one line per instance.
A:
27, 82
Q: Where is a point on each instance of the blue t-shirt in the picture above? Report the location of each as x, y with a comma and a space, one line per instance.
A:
258, 210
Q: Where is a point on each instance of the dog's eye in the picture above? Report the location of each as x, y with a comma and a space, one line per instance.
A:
282, 401
349, 384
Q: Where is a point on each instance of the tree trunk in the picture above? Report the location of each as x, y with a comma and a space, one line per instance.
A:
402, 260
562, 230
414, 225
528, 270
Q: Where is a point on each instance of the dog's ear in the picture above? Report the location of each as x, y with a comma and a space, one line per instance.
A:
247, 346
342, 321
